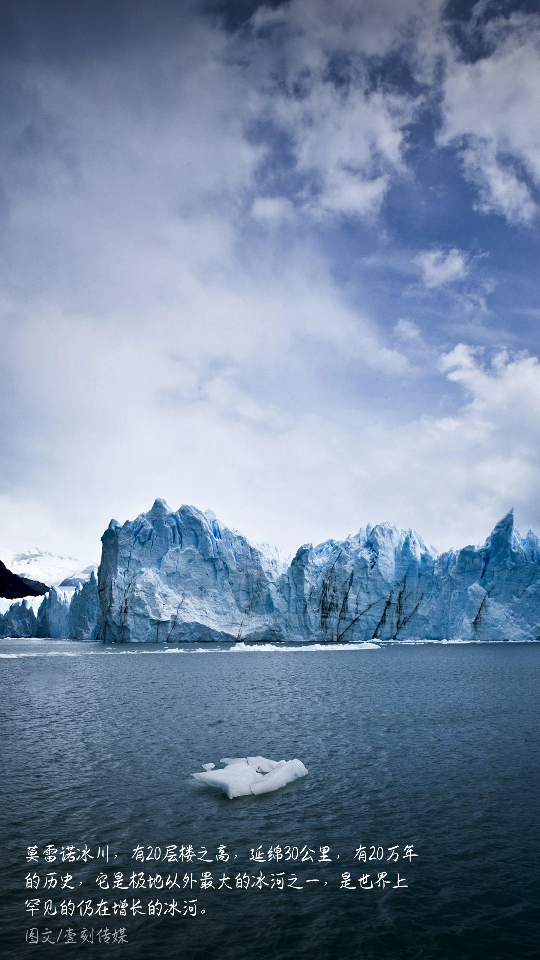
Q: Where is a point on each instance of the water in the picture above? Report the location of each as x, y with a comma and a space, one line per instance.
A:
433, 746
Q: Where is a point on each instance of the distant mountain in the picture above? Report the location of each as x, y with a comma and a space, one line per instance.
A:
43, 566
13, 587
78, 579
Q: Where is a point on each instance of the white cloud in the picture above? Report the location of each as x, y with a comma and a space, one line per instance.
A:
439, 267
500, 188
312, 75
453, 476
407, 330
110, 429
157, 340
349, 144
148, 346
490, 112
273, 210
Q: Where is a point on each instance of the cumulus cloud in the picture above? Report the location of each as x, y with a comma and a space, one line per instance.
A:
311, 62
439, 267
347, 146
490, 111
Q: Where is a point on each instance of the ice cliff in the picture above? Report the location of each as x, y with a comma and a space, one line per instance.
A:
73, 614
174, 576
71, 608
183, 576
387, 584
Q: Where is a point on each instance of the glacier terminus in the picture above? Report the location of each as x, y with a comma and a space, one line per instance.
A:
182, 576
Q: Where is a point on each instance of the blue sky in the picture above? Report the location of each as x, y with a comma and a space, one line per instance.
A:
277, 261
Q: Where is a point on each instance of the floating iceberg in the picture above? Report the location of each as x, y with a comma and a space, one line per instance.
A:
243, 776
283, 774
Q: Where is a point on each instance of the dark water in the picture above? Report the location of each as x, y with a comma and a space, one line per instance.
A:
430, 746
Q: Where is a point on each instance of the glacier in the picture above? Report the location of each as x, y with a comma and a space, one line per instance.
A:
71, 609
62, 614
183, 576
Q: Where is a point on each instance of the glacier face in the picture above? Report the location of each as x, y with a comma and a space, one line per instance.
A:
174, 576
386, 584
19, 620
184, 576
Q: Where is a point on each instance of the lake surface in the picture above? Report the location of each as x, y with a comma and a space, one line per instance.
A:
429, 747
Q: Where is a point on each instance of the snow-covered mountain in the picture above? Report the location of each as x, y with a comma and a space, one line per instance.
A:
51, 615
184, 576
12, 586
40, 565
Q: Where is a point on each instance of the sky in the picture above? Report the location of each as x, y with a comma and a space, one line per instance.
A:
278, 261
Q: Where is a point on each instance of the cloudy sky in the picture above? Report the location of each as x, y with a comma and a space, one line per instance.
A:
280, 261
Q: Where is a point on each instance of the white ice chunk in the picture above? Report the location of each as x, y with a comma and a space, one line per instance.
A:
280, 776
235, 780
208, 766
261, 765
251, 775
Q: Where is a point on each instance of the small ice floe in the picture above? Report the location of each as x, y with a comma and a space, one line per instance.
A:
243, 776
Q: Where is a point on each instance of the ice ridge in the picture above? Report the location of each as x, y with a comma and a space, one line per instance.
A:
181, 576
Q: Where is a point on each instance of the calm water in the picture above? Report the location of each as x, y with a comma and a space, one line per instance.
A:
430, 746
